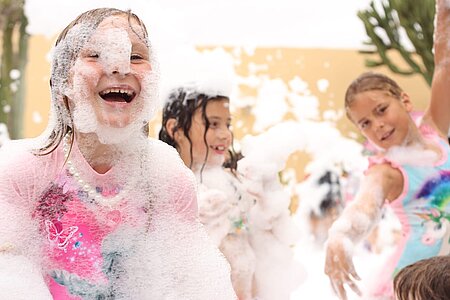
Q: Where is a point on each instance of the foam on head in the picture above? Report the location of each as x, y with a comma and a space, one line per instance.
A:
114, 51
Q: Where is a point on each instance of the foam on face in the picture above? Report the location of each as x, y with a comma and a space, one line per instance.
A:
114, 47
114, 50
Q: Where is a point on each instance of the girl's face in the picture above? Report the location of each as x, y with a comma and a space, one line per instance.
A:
108, 79
382, 118
218, 136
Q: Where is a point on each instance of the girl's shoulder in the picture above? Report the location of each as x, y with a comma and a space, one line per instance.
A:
160, 151
377, 160
24, 173
15, 154
18, 158
165, 159
428, 128
384, 168
389, 176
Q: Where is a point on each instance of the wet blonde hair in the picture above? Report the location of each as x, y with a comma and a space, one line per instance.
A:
370, 81
67, 48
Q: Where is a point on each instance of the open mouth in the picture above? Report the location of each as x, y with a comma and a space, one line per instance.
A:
386, 135
218, 148
118, 95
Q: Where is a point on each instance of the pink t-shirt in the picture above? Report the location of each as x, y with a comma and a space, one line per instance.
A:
74, 223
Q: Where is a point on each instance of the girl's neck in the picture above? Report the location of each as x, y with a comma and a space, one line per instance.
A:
414, 138
197, 168
415, 150
101, 157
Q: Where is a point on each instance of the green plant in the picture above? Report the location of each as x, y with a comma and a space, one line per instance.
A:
393, 24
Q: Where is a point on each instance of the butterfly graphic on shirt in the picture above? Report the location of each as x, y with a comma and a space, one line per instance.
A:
59, 236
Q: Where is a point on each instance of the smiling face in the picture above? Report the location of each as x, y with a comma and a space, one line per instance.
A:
218, 135
110, 77
382, 118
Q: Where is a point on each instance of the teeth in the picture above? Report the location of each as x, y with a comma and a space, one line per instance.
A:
220, 148
127, 92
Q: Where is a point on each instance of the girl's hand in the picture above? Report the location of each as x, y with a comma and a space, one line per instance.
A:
212, 203
358, 218
340, 269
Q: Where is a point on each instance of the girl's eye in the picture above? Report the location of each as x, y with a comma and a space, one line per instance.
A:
382, 109
364, 124
213, 124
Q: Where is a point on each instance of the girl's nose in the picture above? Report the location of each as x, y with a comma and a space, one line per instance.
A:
116, 64
121, 69
379, 123
116, 52
224, 134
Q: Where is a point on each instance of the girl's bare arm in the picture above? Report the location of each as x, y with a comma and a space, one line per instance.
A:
381, 182
438, 112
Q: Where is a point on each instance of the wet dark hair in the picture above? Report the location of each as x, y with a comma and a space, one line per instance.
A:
181, 106
427, 279
67, 49
333, 197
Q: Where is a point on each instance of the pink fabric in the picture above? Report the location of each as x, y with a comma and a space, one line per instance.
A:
73, 241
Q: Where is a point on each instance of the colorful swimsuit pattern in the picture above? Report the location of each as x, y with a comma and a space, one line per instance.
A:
423, 209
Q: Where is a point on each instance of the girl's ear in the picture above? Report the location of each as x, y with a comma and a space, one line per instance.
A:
406, 101
170, 128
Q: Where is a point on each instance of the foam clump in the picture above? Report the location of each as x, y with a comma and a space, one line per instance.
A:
20, 279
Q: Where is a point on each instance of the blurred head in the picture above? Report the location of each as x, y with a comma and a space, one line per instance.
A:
427, 279
101, 75
380, 109
197, 125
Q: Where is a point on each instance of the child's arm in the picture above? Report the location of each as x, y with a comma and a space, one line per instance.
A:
381, 182
438, 112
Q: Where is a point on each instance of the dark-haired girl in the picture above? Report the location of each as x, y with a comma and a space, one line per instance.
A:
196, 121
197, 124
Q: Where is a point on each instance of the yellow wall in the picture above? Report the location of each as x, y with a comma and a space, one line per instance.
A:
339, 67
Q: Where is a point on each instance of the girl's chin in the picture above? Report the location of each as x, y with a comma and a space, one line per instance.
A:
215, 161
115, 122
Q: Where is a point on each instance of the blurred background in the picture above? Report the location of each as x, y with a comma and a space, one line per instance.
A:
288, 62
